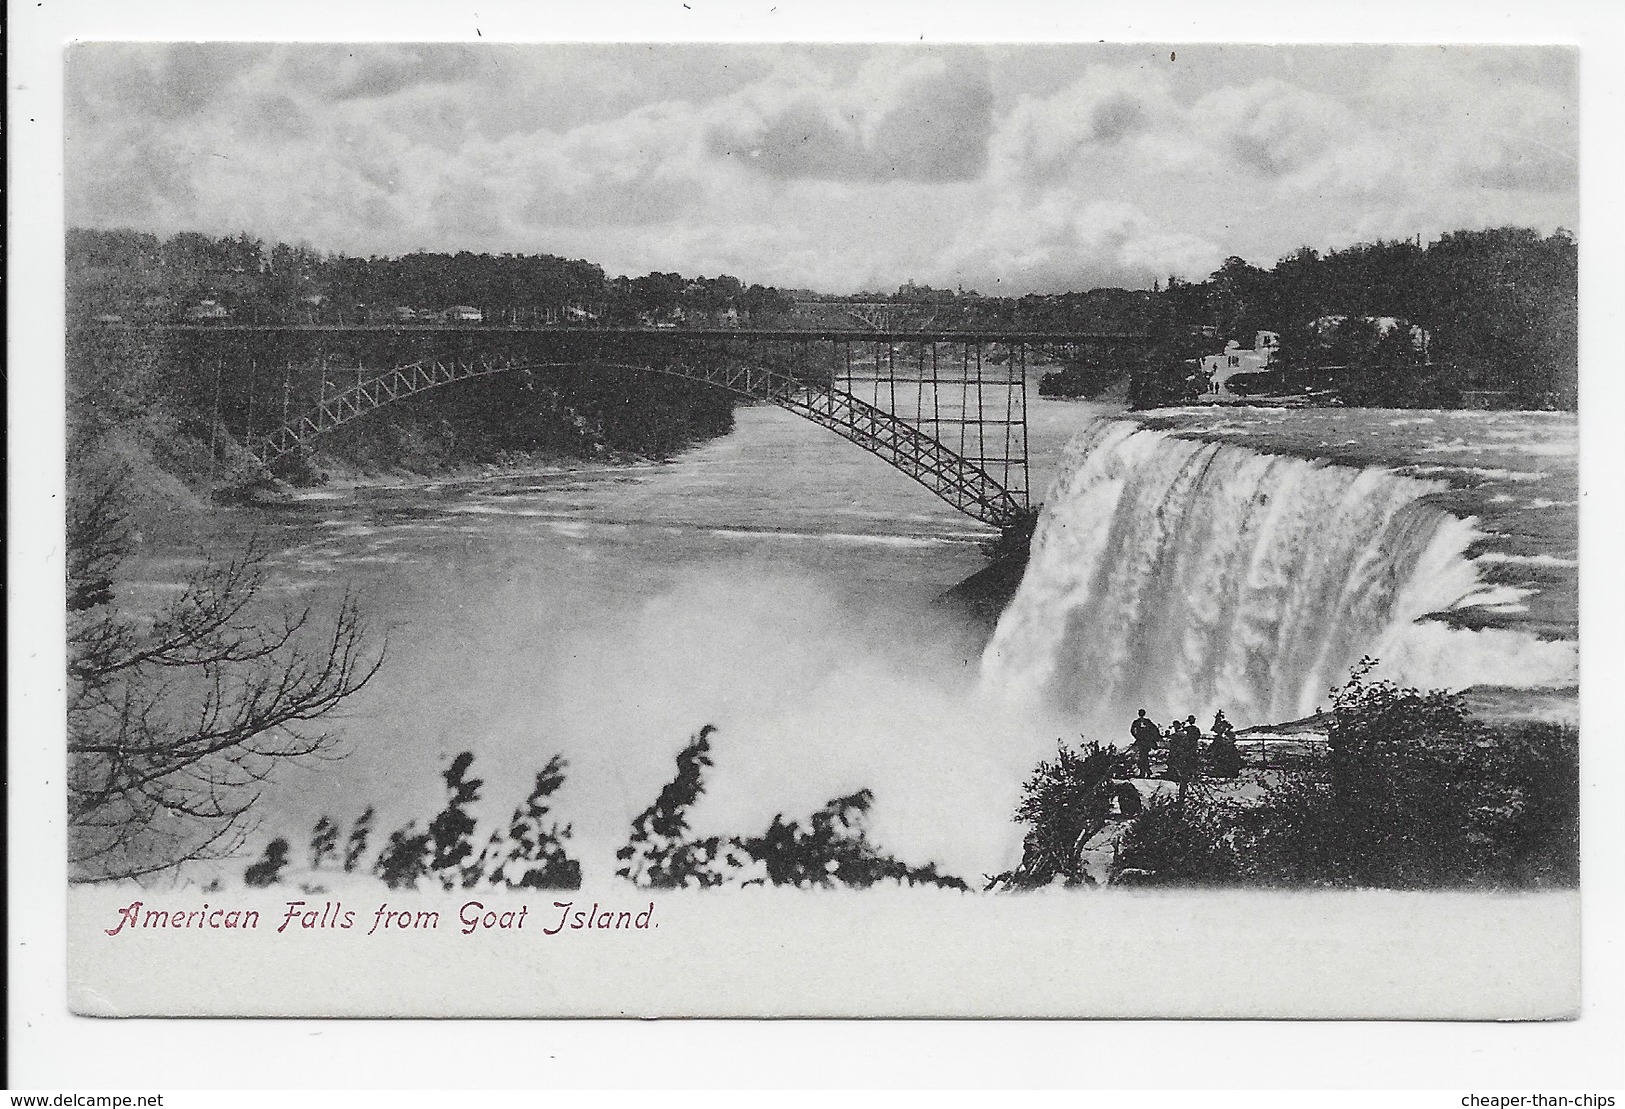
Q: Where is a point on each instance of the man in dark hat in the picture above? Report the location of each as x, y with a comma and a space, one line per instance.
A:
1145, 733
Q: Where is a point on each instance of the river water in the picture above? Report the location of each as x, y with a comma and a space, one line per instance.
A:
777, 583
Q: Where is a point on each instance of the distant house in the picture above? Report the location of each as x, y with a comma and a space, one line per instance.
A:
463, 313
207, 310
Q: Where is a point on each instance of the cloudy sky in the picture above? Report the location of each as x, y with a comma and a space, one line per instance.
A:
1001, 168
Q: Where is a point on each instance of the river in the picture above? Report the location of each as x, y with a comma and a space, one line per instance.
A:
777, 583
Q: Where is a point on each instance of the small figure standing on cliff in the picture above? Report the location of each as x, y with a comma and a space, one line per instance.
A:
1184, 753
1224, 759
1145, 733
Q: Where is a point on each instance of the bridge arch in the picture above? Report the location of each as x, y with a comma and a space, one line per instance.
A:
959, 481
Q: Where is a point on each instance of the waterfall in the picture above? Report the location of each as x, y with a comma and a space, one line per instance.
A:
1184, 576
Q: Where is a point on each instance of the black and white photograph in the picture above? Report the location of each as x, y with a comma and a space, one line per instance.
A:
821, 529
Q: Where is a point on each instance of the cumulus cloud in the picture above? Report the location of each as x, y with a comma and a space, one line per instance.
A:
839, 167
928, 120
1063, 241
1107, 115
1271, 127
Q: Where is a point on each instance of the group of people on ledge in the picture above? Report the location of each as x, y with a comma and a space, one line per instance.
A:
1183, 742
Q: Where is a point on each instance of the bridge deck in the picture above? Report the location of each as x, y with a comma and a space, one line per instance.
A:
935, 335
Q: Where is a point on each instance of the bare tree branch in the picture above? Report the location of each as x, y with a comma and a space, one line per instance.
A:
175, 723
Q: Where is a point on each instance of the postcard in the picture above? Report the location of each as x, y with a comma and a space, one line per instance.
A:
822, 530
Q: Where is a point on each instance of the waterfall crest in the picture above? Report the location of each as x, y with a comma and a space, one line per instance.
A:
1184, 576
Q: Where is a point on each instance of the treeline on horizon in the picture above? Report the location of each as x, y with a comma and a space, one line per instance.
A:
136, 274
1499, 307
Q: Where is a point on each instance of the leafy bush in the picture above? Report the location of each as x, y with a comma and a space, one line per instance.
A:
356, 846
531, 855
404, 859
1064, 804
1291, 838
450, 842
535, 856
1181, 843
1424, 795
835, 851
661, 854
1527, 825
268, 869
324, 841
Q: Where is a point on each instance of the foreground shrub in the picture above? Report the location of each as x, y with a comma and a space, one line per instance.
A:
834, 849
534, 854
1187, 843
1064, 804
451, 845
268, 870
1290, 839
661, 853
1424, 795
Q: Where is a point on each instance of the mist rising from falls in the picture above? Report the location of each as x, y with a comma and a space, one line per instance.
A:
1184, 576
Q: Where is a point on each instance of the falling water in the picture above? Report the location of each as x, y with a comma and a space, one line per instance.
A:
1184, 576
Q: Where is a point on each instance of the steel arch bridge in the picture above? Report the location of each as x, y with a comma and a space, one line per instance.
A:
948, 409
960, 482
